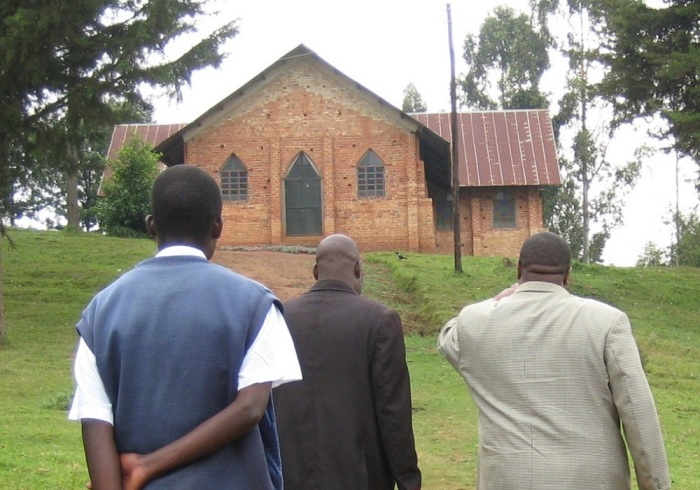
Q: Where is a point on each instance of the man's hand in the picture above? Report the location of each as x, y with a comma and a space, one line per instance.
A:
134, 474
506, 292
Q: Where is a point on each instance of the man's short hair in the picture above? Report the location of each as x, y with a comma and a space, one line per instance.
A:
185, 202
548, 250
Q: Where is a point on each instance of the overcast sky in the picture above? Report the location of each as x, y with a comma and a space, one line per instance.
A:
387, 44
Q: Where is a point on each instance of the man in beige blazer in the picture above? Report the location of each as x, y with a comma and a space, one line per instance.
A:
555, 377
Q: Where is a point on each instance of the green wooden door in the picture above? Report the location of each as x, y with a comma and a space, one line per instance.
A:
302, 191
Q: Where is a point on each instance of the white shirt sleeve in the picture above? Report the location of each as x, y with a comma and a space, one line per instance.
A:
90, 400
271, 357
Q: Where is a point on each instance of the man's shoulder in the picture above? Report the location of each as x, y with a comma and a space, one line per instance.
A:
479, 306
219, 272
596, 305
358, 303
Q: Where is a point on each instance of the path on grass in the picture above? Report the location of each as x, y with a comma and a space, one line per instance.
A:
287, 274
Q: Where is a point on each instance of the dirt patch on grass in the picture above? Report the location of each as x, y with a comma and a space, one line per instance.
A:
288, 275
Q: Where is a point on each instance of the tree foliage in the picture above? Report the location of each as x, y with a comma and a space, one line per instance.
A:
686, 251
563, 215
510, 54
652, 256
127, 200
598, 182
64, 65
412, 100
653, 55
40, 187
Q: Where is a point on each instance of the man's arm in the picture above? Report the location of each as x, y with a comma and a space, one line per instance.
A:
448, 343
101, 455
271, 360
635, 404
392, 392
238, 418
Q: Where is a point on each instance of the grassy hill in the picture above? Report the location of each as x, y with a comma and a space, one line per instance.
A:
50, 276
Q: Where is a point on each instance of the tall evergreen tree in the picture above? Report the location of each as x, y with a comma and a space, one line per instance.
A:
68, 61
663, 44
96, 52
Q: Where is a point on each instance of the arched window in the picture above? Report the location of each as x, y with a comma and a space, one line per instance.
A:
504, 209
370, 176
234, 180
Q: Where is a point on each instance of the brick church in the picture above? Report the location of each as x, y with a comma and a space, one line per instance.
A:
302, 151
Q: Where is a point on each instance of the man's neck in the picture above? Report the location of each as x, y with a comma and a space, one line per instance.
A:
557, 279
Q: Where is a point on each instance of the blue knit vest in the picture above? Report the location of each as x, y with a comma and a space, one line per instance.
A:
169, 338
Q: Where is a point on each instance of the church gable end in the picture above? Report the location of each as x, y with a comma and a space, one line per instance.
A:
302, 151
365, 159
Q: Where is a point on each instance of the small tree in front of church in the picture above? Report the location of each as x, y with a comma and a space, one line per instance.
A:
127, 200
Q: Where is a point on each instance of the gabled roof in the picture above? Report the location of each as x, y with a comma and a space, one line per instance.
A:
501, 148
173, 147
496, 148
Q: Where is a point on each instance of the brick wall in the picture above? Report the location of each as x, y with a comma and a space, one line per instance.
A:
479, 237
308, 109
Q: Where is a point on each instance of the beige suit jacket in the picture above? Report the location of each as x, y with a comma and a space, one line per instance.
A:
554, 376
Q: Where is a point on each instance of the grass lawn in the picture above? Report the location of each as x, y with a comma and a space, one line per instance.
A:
49, 277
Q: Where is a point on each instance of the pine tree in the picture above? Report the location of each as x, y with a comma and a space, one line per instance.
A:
412, 100
64, 64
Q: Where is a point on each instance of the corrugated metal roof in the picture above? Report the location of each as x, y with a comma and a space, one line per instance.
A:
151, 134
496, 148
501, 148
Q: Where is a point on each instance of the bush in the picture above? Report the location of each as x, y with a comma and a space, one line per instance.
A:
127, 199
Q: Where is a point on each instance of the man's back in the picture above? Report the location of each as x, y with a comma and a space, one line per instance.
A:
169, 344
349, 419
549, 373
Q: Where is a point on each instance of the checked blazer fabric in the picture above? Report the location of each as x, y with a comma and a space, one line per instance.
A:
555, 378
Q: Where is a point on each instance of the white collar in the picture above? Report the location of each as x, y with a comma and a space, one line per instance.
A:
175, 250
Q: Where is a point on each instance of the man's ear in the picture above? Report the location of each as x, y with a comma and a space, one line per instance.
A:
315, 271
358, 269
567, 274
217, 228
150, 225
520, 270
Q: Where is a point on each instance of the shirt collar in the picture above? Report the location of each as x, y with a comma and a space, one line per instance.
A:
332, 284
176, 250
540, 287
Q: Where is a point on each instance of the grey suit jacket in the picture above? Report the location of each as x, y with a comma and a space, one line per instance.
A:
554, 376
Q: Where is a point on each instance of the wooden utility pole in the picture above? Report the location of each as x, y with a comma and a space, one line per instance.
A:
455, 146
677, 217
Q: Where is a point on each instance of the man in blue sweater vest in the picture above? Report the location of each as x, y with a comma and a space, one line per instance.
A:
177, 358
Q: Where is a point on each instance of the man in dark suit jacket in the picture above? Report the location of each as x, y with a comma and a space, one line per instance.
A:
347, 424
